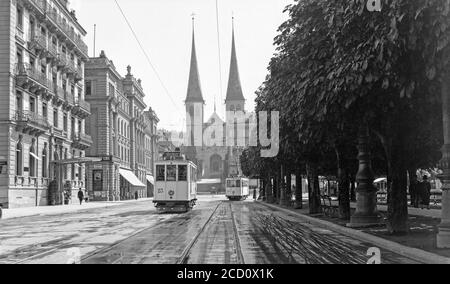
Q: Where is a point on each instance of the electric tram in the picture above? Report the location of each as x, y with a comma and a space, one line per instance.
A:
175, 183
237, 188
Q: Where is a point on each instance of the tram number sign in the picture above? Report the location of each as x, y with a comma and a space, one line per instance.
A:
160, 190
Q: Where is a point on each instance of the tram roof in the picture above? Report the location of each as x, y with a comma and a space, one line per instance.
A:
176, 162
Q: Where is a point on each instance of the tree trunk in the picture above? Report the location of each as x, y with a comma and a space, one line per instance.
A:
282, 200
344, 185
397, 216
313, 188
269, 190
288, 196
298, 190
412, 173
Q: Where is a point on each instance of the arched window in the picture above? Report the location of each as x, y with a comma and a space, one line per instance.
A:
238, 108
232, 108
44, 162
32, 160
215, 163
19, 159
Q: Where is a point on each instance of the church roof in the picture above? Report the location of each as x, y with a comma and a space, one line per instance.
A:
234, 91
194, 92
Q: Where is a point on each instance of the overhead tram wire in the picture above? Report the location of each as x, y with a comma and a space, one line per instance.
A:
145, 54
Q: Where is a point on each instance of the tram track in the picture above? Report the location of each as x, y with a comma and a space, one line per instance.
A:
185, 255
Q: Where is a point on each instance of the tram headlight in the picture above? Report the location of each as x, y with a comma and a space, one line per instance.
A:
171, 193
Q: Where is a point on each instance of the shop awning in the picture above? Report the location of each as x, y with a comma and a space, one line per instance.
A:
82, 160
209, 181
151, 179
131, 178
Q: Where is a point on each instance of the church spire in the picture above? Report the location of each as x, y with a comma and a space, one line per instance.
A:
194, 92
234, 91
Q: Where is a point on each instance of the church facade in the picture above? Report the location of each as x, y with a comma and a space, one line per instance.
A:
218, 161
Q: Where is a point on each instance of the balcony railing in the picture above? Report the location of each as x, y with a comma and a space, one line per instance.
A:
77, 136
32, 119
62, 60
38, 41
28, 71
60, 133
40, 5
65, 28
83, 105
53, 50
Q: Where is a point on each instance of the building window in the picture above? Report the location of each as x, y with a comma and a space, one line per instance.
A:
32, 104
65, 122
44, 162
19, 159
215, 163
32, 161
44, 110
112, 90
20, 17
88, 86
55, 118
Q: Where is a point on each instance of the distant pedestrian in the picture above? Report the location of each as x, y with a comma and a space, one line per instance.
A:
425, 193
136, 195
80, 196
254, 194
1, 210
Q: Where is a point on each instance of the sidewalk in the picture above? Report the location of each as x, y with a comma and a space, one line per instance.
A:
62, 209
419, 244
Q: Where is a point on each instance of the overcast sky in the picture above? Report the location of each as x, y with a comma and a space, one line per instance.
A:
164, 28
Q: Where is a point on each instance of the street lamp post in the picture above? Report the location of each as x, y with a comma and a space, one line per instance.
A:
443, 237
366, 214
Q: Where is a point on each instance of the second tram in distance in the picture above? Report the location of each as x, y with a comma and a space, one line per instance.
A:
237, 188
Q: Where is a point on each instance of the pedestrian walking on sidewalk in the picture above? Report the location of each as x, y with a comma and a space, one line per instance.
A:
136, 195
80, 196
1, 210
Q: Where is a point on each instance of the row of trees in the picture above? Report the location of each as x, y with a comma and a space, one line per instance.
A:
341, 71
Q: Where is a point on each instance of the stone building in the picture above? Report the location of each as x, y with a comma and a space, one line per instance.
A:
124, 133
215, 162
43, 110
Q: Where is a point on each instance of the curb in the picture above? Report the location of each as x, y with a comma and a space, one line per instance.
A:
103, 206
413, 253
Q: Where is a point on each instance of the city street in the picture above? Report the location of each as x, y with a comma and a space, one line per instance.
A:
215, 232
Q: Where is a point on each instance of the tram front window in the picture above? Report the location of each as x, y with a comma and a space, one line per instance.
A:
171, 173
234, 183
182, 173
160, 173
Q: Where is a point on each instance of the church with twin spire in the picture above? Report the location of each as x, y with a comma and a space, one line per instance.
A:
215, 162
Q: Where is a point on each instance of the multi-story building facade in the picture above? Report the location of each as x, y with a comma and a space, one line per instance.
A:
43, 110
123, 133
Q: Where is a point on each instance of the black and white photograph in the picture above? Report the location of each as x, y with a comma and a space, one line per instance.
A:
225, 139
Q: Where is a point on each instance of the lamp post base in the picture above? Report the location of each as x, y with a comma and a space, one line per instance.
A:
365, 221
